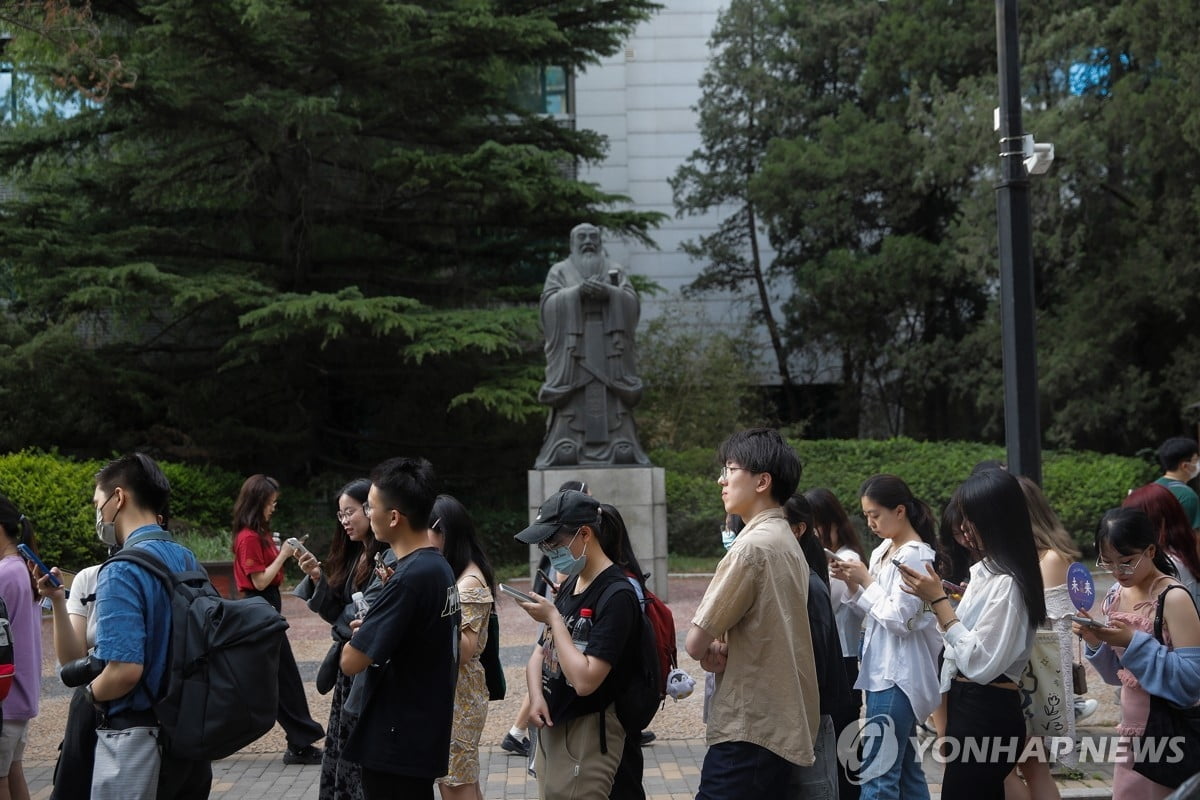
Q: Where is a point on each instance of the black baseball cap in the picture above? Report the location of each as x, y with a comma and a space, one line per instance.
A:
559, 511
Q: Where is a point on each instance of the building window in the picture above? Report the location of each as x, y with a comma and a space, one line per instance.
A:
544, 90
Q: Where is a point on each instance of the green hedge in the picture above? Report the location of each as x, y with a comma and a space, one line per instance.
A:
1079, 485
55, 492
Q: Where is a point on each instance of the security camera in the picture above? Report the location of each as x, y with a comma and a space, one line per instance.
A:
1038, 155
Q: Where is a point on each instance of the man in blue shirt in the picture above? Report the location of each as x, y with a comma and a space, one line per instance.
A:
133, 629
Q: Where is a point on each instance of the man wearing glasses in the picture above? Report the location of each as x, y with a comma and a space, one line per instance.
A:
751, 630
409, 641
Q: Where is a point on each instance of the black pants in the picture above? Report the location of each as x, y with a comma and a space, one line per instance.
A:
390, 786
627, 781
990, 718
846, 789
179, 779
77, 753
293, 715
743, 771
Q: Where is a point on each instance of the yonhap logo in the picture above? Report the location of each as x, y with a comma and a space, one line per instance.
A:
868, 750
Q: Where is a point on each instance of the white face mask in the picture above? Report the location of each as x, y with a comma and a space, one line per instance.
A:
727, 538
1194, 471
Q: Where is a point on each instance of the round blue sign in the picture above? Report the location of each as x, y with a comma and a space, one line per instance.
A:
1081, 587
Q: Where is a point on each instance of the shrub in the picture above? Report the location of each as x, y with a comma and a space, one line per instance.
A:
1079, 485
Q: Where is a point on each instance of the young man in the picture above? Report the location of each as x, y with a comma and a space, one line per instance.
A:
751, 629
1179, 458
133, 631
573, 685
409, 641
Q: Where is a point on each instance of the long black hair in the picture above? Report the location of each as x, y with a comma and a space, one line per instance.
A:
798, 512
1130, 531
461, 544
345, 554
993, 504
18, 528
829, 517
891, 492
614, 540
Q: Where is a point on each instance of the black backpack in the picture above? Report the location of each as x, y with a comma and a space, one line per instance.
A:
639, 700
221, 689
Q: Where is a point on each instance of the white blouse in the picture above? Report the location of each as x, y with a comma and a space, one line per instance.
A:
849, 617
900, 638
994, 637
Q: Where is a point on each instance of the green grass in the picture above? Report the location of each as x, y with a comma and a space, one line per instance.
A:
206, 547
692, 564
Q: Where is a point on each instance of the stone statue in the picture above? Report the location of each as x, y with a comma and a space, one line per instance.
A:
589, 314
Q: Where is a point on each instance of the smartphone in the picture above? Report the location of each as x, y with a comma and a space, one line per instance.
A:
951, 587
298, 545
516, 594
32, 558
832, 556
1085, 621
549, 582
360, 604
897, 562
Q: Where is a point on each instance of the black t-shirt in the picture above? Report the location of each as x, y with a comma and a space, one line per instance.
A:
612, 639
411, 635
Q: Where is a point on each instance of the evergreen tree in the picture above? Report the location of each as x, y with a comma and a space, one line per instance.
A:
309, 235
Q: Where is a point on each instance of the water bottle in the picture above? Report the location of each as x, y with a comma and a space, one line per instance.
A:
583, 627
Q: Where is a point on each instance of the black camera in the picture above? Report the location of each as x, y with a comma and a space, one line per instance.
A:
81, 670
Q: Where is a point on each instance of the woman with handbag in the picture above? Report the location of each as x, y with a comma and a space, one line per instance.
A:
989, 637
329, 587
1149, 665
453, 533
1050, 666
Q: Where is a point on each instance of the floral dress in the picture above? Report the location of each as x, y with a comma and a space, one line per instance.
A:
1135, 701
471, 695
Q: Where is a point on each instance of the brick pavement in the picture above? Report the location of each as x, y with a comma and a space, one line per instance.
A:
672, 772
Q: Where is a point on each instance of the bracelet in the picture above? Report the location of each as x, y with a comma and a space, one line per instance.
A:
949, 622
945, 597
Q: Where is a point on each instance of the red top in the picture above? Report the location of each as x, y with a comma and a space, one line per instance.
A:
250, 555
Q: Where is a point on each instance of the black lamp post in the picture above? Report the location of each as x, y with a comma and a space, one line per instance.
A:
1022, 430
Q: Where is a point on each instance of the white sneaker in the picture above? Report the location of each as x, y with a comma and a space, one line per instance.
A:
1085, 708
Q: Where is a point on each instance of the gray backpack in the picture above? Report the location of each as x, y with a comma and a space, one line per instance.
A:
221, 689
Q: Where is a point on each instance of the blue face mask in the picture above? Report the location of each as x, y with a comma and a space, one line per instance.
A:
563, 561
727, 538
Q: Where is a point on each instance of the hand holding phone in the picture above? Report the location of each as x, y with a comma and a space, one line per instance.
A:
953, 589
553, 586
30, 556
298, 545
832, 556
516, 594
1086, 621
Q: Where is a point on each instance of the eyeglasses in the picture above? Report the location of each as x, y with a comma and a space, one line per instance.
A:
546, 547
726, 469
1122, 568
343, 516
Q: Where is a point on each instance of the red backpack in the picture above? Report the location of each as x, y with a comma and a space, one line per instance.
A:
663, 623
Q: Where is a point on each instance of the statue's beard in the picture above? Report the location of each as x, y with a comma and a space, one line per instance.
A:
589, 264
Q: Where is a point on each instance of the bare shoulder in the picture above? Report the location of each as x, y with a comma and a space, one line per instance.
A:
1054, 568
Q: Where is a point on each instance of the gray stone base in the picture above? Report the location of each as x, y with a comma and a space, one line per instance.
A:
639, 493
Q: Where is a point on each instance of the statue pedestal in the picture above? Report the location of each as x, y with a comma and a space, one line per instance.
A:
639, 493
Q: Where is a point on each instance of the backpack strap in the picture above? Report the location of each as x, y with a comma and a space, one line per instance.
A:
1158, 610
609, 592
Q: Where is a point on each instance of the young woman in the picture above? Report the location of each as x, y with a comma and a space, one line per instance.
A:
453, 533
900, 643
19, 592
1053, 639
329, 587
1175, 534
258, 571
989, 637
573, 690
838, 534
1125, 652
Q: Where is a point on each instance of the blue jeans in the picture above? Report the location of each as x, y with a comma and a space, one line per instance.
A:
743, 771
904, 778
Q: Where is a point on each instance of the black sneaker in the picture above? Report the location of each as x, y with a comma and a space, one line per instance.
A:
647, 737
516, 746
305, 755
